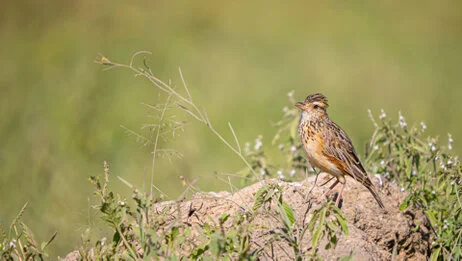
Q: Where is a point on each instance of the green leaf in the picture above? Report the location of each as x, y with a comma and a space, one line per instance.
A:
198, 251
341, 219
174, 233
317, 234
314, 219
260, 198
287, 214
45, 244
343, 222
215, 245
435, 254
405, 203
116, 238
347, 258
432, 218
223, 218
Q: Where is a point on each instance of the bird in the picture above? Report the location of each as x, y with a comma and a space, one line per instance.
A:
328, 146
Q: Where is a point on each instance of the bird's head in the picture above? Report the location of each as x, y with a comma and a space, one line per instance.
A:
313, 104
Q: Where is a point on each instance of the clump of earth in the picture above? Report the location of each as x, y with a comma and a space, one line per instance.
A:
374, 233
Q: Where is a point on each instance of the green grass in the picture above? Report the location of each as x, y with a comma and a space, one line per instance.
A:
424, 166
61, 116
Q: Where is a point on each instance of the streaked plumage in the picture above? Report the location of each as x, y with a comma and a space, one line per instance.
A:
328, 147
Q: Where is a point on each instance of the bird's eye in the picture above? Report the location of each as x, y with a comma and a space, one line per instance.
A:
316, 106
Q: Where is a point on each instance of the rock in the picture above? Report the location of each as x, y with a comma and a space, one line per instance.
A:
374, 233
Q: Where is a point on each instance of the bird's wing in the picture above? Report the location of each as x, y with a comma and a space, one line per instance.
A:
339, 150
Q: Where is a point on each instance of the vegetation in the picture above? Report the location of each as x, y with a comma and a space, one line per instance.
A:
428, 171
19, 242
60, 115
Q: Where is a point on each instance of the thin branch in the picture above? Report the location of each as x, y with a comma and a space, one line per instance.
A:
189, 112
156, 140
138, 136
184, 84
136, 54
235, 137
369, 112
196, 112
160, 191
127, 245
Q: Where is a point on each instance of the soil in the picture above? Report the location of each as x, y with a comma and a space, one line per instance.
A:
374, 233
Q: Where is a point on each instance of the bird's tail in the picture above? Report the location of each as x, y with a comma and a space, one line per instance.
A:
376, 196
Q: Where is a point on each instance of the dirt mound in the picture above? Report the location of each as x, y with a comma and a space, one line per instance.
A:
374, 233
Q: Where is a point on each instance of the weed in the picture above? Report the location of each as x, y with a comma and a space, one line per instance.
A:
20, 244
429, 172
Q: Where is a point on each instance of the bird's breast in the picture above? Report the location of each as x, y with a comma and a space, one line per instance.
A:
314, 149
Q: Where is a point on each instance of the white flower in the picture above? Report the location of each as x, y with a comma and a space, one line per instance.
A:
12, 243
121, 203
285, 109
402, 189
424, 127
379, 178
258, 143
376, 147
292, 172
383, 115
402, 121
450, 141
290, 94
449, 162
433, 148
382, 162
293, 148
297, 184
280, 174
247, 147
262, 172
433, 192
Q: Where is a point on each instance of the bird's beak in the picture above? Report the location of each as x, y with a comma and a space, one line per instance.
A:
300, 105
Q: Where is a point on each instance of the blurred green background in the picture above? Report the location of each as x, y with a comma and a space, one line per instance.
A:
60, 114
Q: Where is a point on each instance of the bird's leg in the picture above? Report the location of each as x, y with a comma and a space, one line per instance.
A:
330, 188
314, 183
339, 195
326, 181
325, 193
317, 174
316, 179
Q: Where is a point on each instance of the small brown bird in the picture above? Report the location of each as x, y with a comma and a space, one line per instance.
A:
328, 147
